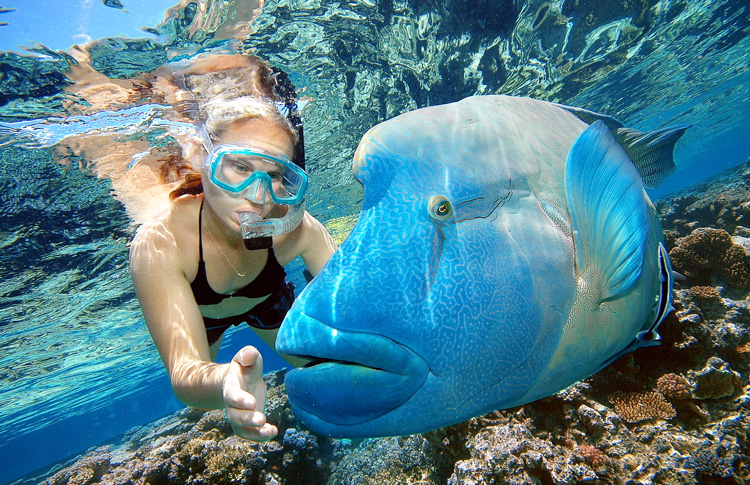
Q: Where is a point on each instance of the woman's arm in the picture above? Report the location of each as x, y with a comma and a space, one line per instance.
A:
317, 246
173, 318
176, 326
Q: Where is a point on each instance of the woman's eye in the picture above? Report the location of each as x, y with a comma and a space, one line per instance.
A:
241, 167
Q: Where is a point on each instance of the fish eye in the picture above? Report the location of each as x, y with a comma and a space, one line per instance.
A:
440, 208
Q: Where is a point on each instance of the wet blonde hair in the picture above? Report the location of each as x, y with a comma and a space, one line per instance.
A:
243, 91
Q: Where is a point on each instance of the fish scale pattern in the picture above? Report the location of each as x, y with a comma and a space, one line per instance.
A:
477, 270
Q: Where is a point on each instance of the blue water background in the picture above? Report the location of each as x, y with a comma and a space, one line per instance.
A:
77, 364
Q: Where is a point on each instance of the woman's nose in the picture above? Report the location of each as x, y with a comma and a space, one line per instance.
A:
257, 192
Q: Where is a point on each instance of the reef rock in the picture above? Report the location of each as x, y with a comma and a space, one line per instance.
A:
715, 380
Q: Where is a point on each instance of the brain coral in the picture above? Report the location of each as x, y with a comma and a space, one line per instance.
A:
635, 407
707, 252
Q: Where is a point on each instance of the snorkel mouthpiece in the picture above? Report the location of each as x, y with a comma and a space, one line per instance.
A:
253, 229
258, 232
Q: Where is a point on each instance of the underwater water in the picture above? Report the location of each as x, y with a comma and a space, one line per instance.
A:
77, 363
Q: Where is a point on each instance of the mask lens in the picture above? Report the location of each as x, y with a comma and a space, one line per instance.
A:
237, 168
234, 169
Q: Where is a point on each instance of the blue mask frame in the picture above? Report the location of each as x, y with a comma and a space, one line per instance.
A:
294, 175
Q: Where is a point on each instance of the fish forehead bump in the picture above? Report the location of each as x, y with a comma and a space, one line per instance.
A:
498, 135
443, 134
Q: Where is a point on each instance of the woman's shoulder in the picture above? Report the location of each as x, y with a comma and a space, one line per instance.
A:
310, 235
173, 235
300, 233
184, 213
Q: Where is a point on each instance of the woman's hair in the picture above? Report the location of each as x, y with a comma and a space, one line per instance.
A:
224, 89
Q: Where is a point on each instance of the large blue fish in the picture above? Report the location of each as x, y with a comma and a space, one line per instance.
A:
506, 249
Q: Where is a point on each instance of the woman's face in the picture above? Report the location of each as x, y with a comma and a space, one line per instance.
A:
258, 133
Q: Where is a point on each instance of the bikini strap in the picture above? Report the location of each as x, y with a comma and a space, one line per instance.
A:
200, 234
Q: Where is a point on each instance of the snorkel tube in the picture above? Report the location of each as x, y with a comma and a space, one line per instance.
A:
258, 233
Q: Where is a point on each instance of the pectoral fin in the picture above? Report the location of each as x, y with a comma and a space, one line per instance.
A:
608, 210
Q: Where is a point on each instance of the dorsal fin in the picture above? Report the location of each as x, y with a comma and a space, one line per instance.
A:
608, 210
651, 151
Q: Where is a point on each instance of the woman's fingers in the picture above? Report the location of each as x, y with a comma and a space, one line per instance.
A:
250, 424
264, 433
243, 385
244, 393
243, 418
234, 393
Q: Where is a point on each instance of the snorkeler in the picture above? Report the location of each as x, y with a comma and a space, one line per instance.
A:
216, 258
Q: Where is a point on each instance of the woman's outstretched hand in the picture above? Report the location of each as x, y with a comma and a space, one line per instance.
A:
244, 394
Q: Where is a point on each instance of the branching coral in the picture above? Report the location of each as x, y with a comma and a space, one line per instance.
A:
705, 293
737, 267
635, 407
213, 420
674, 387
710, 462
699, 252
229, 464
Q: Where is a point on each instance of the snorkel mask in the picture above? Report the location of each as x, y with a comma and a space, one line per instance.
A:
261, 177
258, 232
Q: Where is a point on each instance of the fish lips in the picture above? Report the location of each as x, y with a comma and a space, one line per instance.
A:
355, 377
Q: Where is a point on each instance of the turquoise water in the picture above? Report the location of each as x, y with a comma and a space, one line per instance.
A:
77, 364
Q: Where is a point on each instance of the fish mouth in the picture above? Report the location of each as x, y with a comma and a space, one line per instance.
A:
352, 377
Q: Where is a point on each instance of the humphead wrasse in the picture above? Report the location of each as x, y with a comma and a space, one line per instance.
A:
506, 249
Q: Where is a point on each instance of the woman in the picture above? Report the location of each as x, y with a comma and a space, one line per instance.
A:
216, 258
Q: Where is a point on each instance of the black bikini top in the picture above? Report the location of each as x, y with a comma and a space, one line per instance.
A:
270, 279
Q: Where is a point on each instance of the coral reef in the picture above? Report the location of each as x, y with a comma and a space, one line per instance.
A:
709, 253
705, 293
635, 407
678, 413
593, 456
715, 380
408, 459
514, 453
